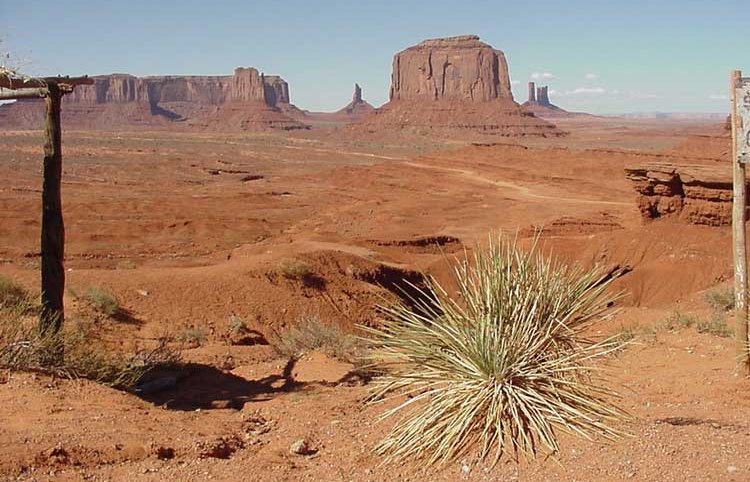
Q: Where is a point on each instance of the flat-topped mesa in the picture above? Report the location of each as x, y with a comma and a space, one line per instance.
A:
246, 85
457, 86
248, 99
452, 68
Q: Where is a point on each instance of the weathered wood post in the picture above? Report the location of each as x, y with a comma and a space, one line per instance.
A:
52, 90
740, 151
53, 229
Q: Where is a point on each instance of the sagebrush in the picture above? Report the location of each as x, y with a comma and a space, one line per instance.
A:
499, 366
75, 351
311, 333
102, 300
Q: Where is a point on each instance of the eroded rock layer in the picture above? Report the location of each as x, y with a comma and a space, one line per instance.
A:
695, 194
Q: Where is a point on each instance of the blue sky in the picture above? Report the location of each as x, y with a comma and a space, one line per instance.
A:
597, 56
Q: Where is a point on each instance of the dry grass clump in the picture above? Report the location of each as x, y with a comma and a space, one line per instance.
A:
102, 300
14, 295
715, 325
293, 268
192, 336
676, 320
721, 300
501, 366
309, 334
75, 351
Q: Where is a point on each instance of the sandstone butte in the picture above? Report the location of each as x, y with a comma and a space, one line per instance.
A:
247, 100
456, 84
539, 104
353, 111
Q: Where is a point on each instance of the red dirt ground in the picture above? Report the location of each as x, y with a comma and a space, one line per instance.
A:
191, 229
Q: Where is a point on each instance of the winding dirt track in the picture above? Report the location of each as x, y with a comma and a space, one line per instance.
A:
524, 191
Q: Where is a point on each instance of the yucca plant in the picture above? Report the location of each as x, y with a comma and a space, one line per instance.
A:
501, 365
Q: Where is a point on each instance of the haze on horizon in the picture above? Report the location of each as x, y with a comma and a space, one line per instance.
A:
596, 56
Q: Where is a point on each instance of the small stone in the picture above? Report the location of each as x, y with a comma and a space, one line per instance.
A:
164, 453
301, 447
732, 469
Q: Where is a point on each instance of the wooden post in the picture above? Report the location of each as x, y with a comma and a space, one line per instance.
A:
53, 230
739, 207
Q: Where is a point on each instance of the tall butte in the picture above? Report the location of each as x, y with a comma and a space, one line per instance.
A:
456, 84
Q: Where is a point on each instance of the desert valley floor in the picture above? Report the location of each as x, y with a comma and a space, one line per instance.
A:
190, 230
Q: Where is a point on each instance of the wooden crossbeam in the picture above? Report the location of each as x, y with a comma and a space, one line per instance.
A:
66, 83
29, 93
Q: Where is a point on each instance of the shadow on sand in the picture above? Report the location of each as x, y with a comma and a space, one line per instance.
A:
197, 386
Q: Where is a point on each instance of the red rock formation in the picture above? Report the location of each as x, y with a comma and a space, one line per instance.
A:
197, 101
540, 105
247, 86
358, 106
453, 68
542, 95
277, 90
352, 112
457, 85
695, 194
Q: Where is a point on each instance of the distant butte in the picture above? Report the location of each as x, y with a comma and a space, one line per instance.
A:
353, 111
539, 104
457, 84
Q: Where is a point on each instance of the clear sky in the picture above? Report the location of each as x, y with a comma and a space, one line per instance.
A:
599, 56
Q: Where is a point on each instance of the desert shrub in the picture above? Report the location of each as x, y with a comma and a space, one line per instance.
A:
102, 300
625, 334
310, 333
676, 320
294, 268
75, 351
14, 295
237, 325
715, 325
192, 336
501, 366
721, 300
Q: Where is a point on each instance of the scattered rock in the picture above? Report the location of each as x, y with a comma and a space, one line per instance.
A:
221, 448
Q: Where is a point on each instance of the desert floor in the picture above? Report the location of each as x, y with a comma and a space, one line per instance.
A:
192, 229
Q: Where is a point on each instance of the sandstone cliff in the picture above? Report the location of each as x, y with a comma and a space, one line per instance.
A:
457, 85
